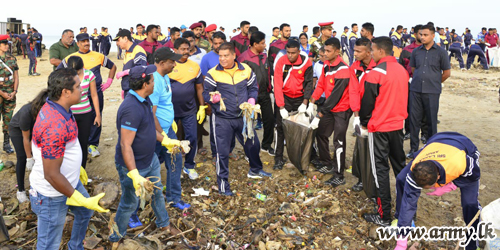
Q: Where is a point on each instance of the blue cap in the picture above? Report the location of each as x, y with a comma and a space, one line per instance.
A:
139, 72
183, 27
346, 28
82, 36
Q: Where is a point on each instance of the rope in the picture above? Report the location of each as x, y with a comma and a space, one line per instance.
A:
222, 105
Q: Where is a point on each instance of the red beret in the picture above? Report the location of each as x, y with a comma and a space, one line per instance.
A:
325, 23
195, 25
4, 37
211, 27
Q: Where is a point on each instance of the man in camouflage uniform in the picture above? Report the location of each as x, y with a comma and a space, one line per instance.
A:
9, 81
326, 33
197, 29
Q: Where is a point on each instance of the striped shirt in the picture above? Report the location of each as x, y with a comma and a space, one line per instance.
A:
84, 105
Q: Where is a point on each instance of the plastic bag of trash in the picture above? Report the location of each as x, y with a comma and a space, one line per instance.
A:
299, 139
361, 166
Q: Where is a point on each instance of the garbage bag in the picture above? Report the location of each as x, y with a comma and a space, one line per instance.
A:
299, 139
361, 166
4, 233
493, 55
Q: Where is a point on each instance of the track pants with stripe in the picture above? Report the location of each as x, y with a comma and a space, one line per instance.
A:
456, 50
291, 105
224, 131
385, 147
337, 124
469, 192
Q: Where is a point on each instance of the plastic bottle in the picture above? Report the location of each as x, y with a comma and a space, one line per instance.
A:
1, 165
261, 197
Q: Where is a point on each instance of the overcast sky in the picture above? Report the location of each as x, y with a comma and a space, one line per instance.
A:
51, 17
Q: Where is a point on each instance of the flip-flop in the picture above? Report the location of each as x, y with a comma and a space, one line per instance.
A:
234, 157
202, 151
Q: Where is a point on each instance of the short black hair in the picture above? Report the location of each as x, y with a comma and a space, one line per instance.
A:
243, 23
66, 31
428, 27
60, 80
75, 62
174, 30
363, 41
257, 37
484, 28
151, 27
368, 27
303, 27
303, 34
385, 43
138, 25
315, 30
354, 24
181, 41
417, 28
187, 34
136, 83
203, 22
221, 35
425, 173
292, 44
399, 27
276, 28
253, 29
22, 30
227, 46
283, 25
334, 42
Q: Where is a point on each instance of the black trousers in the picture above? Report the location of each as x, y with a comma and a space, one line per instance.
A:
422, 104
337, 124
266, 106
423, 126
291, 104
84, 123
17, 141
385, 147
95, 132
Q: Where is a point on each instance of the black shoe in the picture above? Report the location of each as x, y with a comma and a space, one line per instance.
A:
316, 163
278, 165
410, 154
407, 136
423, 139
326, 169
6, 145
269, 150
376, 219
335, 181
357, 187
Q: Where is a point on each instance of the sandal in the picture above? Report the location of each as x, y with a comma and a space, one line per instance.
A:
202, 151
234, 157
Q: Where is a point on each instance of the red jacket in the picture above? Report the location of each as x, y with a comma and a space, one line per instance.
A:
335, 83
358, 76
384, 103
293, 80
240, 43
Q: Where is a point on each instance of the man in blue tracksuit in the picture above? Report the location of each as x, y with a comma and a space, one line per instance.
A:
467, 37
344, 42
456, 49
476, 50
448, 160
233, 83
353, 37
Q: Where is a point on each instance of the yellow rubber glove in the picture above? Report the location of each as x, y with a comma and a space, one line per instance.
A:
137, 179
169, 143
78, 200
83, 176
200, 116
174, 127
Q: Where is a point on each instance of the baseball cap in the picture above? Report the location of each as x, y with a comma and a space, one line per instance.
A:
139, 72
210, 28
195, 25
165, 53
345, 27
4, 38
123, 33
82, 36
183, 27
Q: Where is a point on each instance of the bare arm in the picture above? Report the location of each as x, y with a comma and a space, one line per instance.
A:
55, 61
52, 173
27, 144
95, 102
199, 93
445, 75
112, 72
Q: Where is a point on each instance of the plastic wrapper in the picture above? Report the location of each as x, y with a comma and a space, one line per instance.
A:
299, 139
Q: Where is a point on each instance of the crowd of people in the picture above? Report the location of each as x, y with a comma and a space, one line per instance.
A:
172, 83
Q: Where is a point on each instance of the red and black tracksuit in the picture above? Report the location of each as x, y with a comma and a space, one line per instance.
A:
359, 70
258, 64
383, 111
240, 43
335, 82
274, 48
293, 83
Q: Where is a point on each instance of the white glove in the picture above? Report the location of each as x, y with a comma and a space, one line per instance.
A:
364, 132
314, 124
29, 163
310, 110
356, 122
284, 113
302, 108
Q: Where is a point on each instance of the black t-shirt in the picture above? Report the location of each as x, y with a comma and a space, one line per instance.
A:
22, 121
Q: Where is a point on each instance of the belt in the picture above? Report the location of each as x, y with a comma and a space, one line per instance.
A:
4, 79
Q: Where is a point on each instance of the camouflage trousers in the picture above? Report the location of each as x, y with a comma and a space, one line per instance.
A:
7, 109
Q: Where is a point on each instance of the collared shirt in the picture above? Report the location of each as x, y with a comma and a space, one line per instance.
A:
92, 61
162, 99
136, 114
209, 61
198, 55
480, 36
429, 65
59, 51
55, 135
184, 78
491, 39
134, 56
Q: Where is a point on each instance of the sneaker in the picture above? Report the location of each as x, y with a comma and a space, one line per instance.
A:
227, 193
93, 151
193, 175
269, 150
278, 165
410, 154
316, 163
134, 221
335, 181
21, 196
326, 169
259, 175
35, 74
357, 187
407, 136
376, 219
258, 126
186, 205
180, 205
